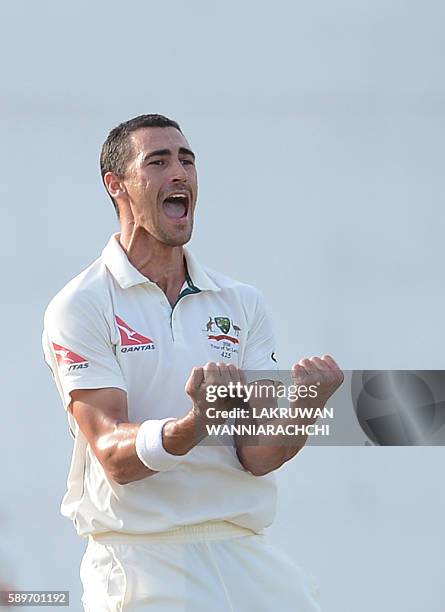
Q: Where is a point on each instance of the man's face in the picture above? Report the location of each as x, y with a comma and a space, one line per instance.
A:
162, 185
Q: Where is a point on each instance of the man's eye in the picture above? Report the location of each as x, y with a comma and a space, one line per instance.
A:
156, 162
187, 161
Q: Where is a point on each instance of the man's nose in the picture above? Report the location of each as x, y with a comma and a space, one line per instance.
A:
179, 172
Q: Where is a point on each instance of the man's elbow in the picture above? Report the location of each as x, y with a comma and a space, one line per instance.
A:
119, 478
125, 472
260, 470
115, 472
258, 465
121, 475
114, 468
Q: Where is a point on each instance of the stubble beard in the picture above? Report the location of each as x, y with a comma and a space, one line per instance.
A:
178, 238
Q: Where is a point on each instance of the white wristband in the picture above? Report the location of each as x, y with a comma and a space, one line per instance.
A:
149, 447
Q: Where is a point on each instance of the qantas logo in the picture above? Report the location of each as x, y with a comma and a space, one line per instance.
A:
68, 359
131, 340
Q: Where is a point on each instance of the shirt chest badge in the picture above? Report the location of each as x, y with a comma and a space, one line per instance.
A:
223, 335
131, 340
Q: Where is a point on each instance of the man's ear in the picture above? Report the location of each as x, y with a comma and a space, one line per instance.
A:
114, 185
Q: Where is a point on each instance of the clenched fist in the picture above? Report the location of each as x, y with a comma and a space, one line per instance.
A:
321, 371
204, 379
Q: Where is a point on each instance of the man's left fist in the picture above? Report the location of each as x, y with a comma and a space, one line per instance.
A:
321, 371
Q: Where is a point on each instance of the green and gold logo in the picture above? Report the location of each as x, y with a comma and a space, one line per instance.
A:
223, 323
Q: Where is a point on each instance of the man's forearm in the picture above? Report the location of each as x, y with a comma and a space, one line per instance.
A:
261, 453
117, 450
262, 456
181, 435
264, 453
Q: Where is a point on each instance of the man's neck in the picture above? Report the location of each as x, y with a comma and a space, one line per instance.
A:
161, 263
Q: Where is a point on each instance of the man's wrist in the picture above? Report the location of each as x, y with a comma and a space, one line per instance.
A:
150, 448
179, 436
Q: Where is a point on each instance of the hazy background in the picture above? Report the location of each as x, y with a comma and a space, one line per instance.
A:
319, 130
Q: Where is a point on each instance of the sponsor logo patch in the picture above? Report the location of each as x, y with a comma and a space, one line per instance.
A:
67, 359
131, 340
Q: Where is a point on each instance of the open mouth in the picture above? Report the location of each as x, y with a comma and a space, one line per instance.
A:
176, 205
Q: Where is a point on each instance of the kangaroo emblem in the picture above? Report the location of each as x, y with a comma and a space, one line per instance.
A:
236, 329
210, 324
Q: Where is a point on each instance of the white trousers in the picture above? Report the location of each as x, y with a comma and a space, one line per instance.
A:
210, 567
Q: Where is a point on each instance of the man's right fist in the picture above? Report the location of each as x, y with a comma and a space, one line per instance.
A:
200, 383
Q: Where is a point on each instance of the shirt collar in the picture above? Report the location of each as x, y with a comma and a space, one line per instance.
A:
197, 273
117, 262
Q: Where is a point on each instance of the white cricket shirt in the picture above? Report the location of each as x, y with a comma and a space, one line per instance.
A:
112, 327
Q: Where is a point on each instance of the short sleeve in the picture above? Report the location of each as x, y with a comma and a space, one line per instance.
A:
260, 348
77, 347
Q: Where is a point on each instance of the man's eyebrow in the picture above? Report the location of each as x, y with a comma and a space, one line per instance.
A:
160, 152
185, 151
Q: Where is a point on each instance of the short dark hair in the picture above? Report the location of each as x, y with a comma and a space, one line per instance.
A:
116, 150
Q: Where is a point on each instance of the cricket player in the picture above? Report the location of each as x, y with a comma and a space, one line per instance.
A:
135, 342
